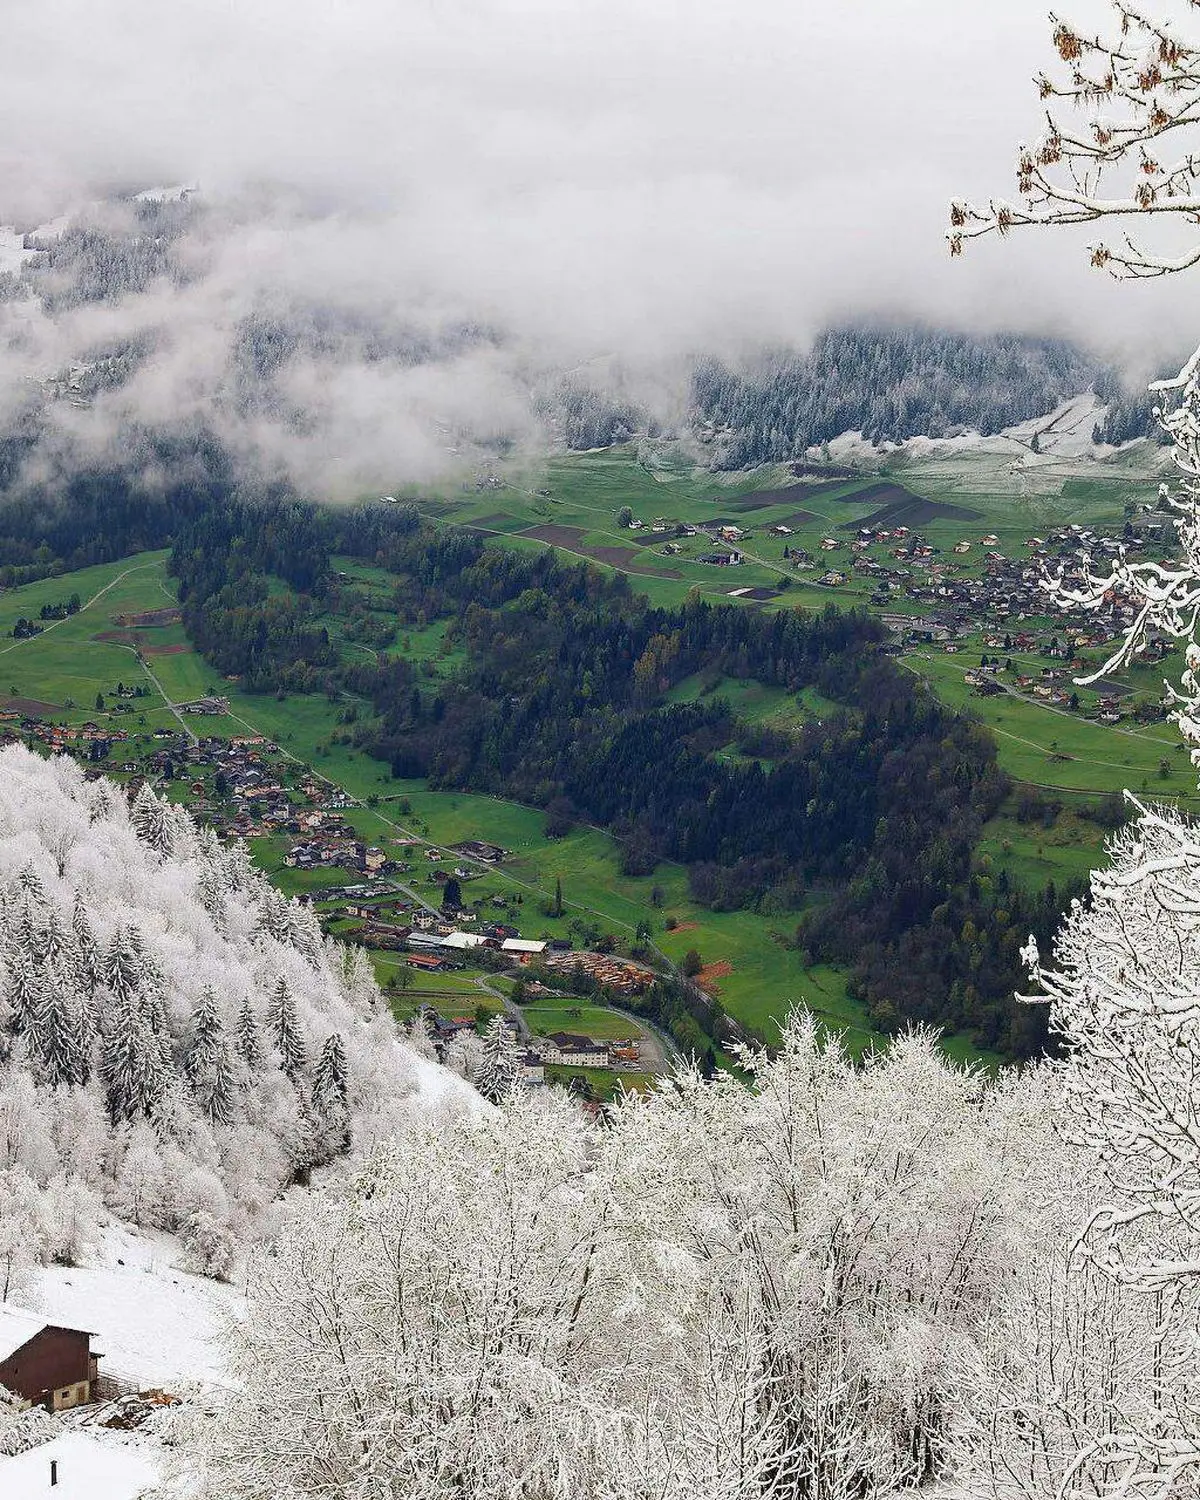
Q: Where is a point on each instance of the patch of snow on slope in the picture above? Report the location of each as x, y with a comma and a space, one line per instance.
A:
13, 254
165, 194
1066, 432
154, 1324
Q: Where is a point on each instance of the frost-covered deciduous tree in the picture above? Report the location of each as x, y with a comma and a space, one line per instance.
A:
420, 1034
1121, 143
20, 1202
1124, 988
728, 1293
1124, 978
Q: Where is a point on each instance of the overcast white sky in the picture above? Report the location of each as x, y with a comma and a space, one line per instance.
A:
639, 177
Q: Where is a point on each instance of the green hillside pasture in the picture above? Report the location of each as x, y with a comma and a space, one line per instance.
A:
131, 585
1033, 854
596, 1021
1048, 747
754, 701
67, 661
768, 978
185, 675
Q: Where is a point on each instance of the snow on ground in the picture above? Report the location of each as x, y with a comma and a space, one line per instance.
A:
1066, 432
165, 194
86, 1468
52, 228
154, 1324
13, 254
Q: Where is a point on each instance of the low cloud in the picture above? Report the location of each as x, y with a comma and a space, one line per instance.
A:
450, 200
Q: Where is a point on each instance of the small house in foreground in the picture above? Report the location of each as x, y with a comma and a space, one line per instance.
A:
44, 1363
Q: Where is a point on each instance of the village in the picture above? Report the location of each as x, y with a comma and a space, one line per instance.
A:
969, 594
245, 788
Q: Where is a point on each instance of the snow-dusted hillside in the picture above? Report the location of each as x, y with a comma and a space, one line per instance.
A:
178, 1042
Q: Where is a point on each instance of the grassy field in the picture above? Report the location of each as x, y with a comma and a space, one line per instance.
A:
758, 974
1050, 748
69, 663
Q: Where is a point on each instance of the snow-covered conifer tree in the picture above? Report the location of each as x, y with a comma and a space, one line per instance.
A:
148, 818
121, 969
23, 989
131, 1063
249, 1040
331, 1092
208, 888
56, 1036
284, 1028
208, 1064
499, 1067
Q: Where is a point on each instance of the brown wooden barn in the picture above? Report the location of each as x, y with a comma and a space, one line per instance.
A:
44, 1363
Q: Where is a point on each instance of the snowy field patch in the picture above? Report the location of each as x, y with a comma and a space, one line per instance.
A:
154, 1323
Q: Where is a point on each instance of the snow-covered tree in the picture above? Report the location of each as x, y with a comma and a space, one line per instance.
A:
57, 1034
20, 1226
1124, 980
249, 1040
87, 963
420, 1034
284, 1029
1124, 990
69, 1212
208, 1063
122, 965
729, 1293
499, 1065
331, 1090
212, 897
1126, 151
23, 990
148, 817
131, 1063
119, 1070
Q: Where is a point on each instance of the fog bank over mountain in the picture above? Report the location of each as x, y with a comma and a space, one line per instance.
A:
411, 219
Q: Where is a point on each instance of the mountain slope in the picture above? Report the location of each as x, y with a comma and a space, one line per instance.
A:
177, 1041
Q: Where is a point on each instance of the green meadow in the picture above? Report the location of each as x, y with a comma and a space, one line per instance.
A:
756, 970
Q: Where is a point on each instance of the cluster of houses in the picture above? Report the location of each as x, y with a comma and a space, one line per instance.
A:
1009, 592
560, 1049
